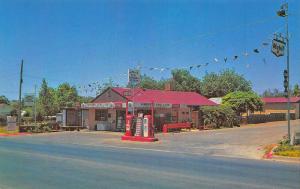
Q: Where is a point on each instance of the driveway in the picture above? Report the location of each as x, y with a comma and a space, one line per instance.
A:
244, 142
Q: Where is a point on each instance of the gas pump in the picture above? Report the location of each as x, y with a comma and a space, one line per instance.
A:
144, 129
129, 119
148, 127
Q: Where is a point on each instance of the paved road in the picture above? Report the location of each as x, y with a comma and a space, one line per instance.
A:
34, 163
245, 142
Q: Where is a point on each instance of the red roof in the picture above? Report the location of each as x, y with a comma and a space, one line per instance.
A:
162, 96
280, 99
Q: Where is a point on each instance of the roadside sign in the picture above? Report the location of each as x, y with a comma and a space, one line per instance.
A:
29, 100
278, 46
11, 123
134, 77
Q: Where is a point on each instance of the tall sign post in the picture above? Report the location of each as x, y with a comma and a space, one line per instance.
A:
134, 79
283, 12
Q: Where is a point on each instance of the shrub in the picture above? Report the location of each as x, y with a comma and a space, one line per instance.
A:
219, 116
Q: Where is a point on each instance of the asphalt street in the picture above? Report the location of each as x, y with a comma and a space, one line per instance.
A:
31, 163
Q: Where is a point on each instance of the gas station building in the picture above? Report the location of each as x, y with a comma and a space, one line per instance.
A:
108, 110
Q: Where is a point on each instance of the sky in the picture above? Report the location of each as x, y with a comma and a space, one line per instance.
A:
86, 41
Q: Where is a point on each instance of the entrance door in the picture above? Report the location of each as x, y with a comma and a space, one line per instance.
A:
120, 123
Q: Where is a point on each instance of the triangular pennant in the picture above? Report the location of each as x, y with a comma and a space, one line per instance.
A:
256, 50
198, 66
265, 43
235, 57
246, 54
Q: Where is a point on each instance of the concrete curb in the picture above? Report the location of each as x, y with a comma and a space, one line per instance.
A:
271, 156
14, 134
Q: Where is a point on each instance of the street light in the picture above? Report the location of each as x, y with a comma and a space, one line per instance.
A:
283, 12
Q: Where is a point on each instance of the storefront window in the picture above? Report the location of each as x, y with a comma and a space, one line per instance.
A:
101, 115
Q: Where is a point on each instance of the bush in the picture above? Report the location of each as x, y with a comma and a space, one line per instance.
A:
219, 116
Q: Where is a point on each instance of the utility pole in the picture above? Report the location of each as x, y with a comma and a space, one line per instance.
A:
283, 12
20, 94
34, 104
288, 69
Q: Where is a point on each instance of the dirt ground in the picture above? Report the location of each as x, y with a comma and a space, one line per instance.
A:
241, 142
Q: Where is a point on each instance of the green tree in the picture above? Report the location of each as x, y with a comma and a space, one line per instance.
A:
85, 99
47, 103
296, 90
102, 87
219, 116
150, 83
227, 81
4, 100
273, 93
66, 95
184, 81
243, 102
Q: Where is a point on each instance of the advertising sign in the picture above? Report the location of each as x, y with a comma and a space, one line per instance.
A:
11, 123
134, 77
29, 100
278, 46
98, 105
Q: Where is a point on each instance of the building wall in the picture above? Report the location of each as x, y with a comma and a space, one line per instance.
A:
184, 114
109, 96
112, 119
281, 108
91, 119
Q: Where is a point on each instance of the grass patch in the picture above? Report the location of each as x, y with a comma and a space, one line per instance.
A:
3, 130
285, 149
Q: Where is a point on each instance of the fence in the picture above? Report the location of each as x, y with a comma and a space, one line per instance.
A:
262, 118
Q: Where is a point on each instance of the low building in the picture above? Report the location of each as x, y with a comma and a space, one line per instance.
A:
108, 110
279, 105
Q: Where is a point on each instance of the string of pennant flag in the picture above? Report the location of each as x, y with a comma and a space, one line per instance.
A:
95, 86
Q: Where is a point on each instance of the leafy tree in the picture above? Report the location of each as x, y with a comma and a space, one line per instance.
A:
47, 103
184, 81
219, 116
85, 99
227, 81
243, 102
150, 83
4, 100
296, 90
66, 95
104, 86
273, 93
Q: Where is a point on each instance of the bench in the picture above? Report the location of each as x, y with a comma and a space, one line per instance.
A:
166, 127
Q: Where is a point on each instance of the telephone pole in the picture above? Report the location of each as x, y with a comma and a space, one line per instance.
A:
35, 104
283, 12
20, 94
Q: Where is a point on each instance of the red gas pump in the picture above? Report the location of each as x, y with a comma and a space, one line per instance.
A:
148, 130
129, 119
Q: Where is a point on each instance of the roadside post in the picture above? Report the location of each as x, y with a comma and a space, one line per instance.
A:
278, 45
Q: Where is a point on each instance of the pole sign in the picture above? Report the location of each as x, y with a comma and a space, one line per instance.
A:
11, 123
29, 100
278, 46
134, 77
